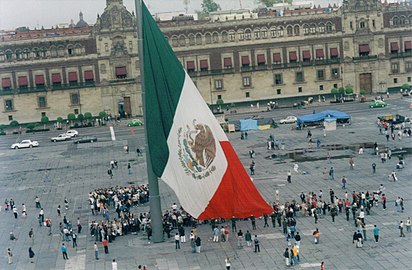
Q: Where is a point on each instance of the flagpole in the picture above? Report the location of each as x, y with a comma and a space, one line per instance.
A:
154, 197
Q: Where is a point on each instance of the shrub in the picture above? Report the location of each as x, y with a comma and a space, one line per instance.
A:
88, 115
348, 90
405, 86
71, 117
102, 115
334, 91
80, 117
59, 120
31, 126
14, 123
219, 101
362, 92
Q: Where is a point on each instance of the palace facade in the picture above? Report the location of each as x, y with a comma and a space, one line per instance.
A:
233, 56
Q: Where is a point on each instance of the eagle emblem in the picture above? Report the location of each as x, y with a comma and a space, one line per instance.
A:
197, 150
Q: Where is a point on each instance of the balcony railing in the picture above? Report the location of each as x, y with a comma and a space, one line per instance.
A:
43, 88
400, 54
67, 86
365, 58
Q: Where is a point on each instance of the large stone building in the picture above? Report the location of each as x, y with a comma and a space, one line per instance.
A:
364, 44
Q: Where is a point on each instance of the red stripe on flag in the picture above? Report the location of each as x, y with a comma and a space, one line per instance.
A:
236, 195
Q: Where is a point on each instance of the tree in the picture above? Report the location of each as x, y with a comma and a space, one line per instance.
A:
14, 124
102, 115
269, 3
88, 116
59, 120
341, 90
209, 6
219, 102
362, 92
80, 118
405, 86
31, 126
348, 90
71, 117
45, 121
334, 91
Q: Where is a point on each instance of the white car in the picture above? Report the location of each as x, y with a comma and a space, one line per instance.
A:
288, 120
72, 133
25, 144
61, 137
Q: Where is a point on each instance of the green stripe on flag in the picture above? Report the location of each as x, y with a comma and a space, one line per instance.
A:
164, 77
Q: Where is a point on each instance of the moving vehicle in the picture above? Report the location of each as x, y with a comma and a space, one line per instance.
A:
72, 133
377, 104
134, 123
288, 120
61, 137
25, 144
85, 139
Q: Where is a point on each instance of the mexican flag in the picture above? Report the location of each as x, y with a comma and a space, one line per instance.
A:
188, 148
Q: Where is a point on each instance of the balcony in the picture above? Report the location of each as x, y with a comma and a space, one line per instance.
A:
400, 55
365, 58
67, 86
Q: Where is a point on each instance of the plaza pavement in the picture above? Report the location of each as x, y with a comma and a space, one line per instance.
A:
75, 171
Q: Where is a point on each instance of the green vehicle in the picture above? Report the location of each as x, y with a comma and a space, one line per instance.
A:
134, 123
377, 104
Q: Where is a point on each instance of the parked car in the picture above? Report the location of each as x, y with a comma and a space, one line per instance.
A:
61, 137
377, 104
288, 120
25, 144
134, 123
72, 133
85, 139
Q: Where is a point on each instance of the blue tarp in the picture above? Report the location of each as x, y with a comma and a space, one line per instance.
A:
317, 117
248, 124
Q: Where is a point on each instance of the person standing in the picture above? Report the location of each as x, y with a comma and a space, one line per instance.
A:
401, 229
344, 181
374, 167
408, 225
106, 245
240, 239
183, 235
216, 234
114, 265
31, 255
58, 211
129, 168
9, 256
227, 263
198, 244
286, 255
265, 219
248, 238
253, 221
31, 234
376, 233
66, 204
74, 237
322, 266
177, 241
15, 212
289, 177
234, 229
257, 245
331, 171
96, 251
64, 252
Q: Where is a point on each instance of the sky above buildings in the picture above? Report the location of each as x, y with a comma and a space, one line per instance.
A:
47, 13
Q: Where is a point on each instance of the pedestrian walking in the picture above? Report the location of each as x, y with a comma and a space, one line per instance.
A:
344, 181
106, 245
289, 177
257, 245
96, 251
139, 152
114, 265
74, 238
31, 255
316, 236
15, 212
227, 263
37, 202
376, 233
129, 168
331, 172
31, 234
79, 226
401, 229
408, 225
240, 239
351, 163
252, 168
248, 238
110, 173
286, 255
9, 256
66, 204
325, 174
322, 266
64, 252
253, 221
374, 167
58, 211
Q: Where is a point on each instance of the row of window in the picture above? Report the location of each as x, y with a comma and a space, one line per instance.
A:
278, 78
40, 81
42, 52
395, 67
401, 20
261, 60
249, 34
407, 47
41, 102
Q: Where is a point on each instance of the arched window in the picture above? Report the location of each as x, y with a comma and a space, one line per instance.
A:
192, 40
296, 30
395, 21
43, 52
362, 24
313, 28
306, 29
264, 32
9, 55
36, 52
199, 39
329, 27
248, 34
241, 35
60, 50
321, 28
280, 31
256, 33
224, 36
2, 56
232, 36
409, 21
70, 50
273, 32
208, 38
402, 20
175, 43
289, 30
26, 53
182, 40
18, 54
215, 37
78, 49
